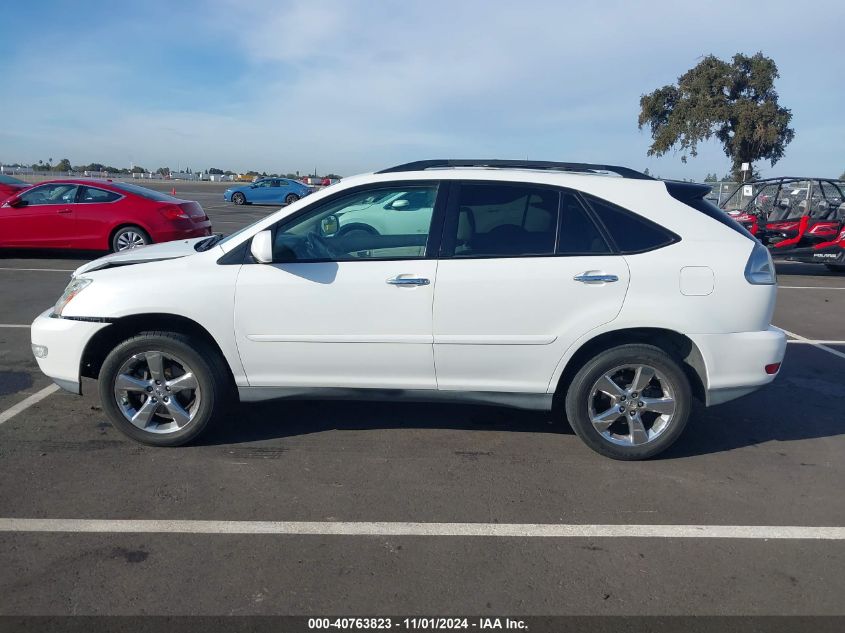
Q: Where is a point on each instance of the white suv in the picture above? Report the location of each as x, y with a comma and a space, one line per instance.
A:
611, 300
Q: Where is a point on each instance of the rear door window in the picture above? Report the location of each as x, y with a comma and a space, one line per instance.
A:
503, 220
578, 234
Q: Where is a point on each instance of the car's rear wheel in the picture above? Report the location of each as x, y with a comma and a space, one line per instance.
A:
129, 237
163, 388
291, 198
238, 198
837, 268
629, 402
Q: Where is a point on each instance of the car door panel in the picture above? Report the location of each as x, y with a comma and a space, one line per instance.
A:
503, 324
39, 225
526, 272
337, 309
333, 324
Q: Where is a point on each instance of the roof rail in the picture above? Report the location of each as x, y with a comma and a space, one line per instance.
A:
420, 165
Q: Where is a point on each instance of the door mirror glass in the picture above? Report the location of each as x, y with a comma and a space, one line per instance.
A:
262, 247
329, 225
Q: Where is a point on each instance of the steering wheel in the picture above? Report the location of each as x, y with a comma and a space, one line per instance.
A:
318, 247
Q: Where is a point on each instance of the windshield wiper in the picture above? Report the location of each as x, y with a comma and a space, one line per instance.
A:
208, 242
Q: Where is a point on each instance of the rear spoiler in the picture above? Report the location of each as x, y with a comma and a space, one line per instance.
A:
685, 191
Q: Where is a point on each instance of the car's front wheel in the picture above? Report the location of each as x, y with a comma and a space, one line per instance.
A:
163, 388
238, 198
629, 402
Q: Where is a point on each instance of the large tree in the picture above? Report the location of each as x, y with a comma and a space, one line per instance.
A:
734, 101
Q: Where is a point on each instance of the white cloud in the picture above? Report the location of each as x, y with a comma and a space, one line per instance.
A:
356, 85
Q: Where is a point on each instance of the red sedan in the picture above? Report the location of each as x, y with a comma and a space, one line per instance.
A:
97, 215
10, 186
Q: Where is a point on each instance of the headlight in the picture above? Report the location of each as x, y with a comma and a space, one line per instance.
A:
76, 285
760, 269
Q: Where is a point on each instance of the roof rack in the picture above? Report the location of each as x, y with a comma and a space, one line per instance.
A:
421, 165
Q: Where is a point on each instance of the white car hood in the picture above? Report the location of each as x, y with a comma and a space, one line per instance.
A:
152, 253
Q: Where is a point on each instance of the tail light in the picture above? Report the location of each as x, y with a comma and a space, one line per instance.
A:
760, 269
174, 213
773, 368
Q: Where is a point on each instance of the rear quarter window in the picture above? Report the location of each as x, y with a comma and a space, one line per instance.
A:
631, 233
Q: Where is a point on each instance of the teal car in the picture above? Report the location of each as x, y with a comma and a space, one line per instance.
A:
267, 191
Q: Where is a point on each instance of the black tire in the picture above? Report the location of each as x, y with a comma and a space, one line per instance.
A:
836, 268
205, 364
238, 198
291, 198
124, 234
579, 399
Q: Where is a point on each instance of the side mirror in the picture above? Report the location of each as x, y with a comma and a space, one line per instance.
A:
397, 205
329, 225
16, 203
262, 247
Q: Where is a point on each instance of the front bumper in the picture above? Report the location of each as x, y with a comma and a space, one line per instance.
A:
65, 340
735, 363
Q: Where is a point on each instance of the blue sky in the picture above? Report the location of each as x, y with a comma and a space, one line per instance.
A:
353, 86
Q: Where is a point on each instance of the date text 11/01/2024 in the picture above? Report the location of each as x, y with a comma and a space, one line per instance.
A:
416, 623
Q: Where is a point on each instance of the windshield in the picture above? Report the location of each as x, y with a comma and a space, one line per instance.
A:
149, 194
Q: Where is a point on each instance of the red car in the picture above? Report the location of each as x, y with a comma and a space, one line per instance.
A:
97, 215
10, 186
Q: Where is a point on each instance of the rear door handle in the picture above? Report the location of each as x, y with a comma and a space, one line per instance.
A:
408, 281
595, 278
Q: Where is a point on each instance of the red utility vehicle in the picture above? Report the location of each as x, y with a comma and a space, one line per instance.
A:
799, 219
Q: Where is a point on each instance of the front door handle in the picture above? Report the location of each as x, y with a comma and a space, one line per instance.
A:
63, 211
595, 278
408, 281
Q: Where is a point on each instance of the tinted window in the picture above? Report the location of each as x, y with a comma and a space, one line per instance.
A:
384, 223
499, 220
91, 194
630, 232
578, 233
64, 193
149, 194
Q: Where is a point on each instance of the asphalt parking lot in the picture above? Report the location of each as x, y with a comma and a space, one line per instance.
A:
774, 459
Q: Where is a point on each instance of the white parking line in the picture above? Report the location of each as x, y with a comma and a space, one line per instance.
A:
354, 528
42, 270
814, 343
20, 325
809, 342
24, 404
809, 288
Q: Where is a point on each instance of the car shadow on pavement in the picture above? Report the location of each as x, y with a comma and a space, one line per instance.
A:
84, 256
279, 419
797, 406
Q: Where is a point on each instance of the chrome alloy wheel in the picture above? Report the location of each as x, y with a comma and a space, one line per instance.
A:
130, 239
632, 405
157, 392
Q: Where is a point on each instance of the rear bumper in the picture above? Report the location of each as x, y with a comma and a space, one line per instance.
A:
201, 229
735, 363
65, 341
